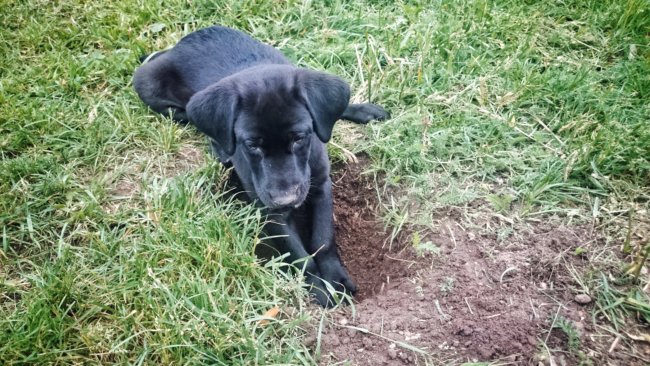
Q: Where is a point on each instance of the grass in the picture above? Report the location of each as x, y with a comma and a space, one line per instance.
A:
556, 111
120, 246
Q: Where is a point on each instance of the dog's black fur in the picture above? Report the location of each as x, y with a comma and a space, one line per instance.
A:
270, 120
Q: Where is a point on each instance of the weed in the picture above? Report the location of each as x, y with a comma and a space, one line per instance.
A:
426, 247
568, 328
447, 285
622, 302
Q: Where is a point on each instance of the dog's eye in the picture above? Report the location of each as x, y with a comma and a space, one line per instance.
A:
299, 139
253, 146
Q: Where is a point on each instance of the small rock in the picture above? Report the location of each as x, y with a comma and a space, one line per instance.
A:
343, 321
392, 353
403, 356
541, 358
582, 299
310, 341
467, 344
455, 343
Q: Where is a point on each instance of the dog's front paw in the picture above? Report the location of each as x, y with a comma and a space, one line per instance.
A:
337, 276
364, 113
319, 292
375, 112
332, 281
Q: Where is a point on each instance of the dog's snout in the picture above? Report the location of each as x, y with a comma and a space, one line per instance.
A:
285, 200
286, 197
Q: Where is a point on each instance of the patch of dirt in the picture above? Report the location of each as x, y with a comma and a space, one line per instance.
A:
481, 295
127, 184
361, 238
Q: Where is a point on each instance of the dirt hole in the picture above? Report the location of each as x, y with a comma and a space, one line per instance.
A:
483, 296
364, 245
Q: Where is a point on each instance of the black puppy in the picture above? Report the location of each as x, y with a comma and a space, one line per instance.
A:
270, 120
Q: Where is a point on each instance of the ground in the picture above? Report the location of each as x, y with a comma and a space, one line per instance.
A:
468, 295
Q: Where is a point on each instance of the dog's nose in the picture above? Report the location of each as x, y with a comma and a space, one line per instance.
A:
286, 197
285, 200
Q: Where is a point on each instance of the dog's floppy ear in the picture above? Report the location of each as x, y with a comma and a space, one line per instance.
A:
326, 97
213, 111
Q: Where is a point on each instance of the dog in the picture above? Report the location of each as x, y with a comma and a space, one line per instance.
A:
270, 121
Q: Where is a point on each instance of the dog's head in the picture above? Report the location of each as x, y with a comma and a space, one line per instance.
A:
265, 121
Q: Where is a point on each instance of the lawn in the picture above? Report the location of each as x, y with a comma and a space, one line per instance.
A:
120, 243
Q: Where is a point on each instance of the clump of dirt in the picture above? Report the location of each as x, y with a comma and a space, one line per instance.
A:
482, 296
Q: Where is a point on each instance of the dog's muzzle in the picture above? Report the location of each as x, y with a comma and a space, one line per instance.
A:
285, 198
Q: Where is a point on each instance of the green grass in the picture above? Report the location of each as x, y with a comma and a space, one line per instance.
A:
117, 242
548, 100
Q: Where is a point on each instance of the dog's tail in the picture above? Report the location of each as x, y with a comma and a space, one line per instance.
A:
146, 58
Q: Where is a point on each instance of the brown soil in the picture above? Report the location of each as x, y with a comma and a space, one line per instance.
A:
361, 238
479, 296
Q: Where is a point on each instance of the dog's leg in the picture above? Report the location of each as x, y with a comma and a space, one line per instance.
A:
161, 87
286, 240
323, 243
364, 113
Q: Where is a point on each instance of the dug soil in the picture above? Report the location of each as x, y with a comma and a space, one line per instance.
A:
472, 286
